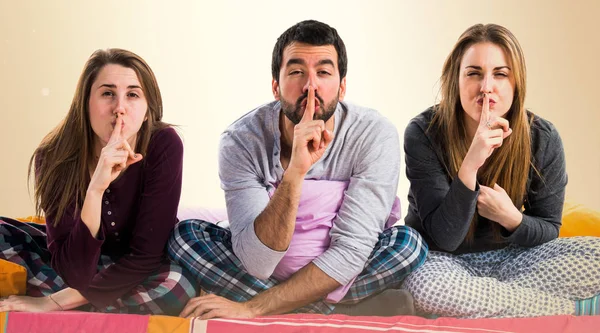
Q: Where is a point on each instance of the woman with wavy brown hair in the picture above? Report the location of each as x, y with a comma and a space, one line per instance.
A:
108, 180
487, 190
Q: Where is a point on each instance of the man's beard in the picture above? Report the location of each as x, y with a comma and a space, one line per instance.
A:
294, 112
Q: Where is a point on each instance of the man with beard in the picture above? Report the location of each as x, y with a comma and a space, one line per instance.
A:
310, 184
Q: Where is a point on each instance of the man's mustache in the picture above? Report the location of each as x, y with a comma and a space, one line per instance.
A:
305, 96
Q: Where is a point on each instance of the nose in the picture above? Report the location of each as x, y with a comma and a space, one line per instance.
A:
487, 84
311, 80
119, 107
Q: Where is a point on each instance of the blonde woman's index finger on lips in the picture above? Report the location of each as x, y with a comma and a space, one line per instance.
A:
485, 112
499, 123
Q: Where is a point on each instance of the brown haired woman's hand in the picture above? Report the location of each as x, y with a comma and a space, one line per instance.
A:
495, 205
114, 158
28, 304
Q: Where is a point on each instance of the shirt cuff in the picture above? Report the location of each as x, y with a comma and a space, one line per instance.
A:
520, 232
91, 243
336, 257
258, 259
463, 189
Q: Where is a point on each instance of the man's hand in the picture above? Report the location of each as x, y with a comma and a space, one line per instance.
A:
274, 227
311, 138
212, 306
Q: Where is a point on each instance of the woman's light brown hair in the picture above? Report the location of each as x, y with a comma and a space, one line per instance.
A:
63, 159
509, 165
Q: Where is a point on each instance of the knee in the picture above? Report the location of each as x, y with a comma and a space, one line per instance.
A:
179, 287
186, 234
183, 280
424, 282
408, 243
188, 230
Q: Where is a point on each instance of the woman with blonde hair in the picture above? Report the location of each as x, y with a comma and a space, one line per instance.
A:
108, 180
487, 190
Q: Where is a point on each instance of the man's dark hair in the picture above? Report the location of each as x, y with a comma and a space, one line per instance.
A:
314, 33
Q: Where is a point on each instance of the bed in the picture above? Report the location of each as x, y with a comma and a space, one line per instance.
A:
577, 221
67, 322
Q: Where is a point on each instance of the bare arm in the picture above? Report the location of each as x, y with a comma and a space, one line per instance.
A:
275, 225
262, 226
91, 211
308, 285
114, 158
77, 239
68, 299
65, 299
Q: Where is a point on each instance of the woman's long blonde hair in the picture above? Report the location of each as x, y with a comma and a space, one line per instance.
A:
509, 165
63, 157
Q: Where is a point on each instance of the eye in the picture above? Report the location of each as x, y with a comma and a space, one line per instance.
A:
133, 94
295, 72
501, 74
472, 73
324, 73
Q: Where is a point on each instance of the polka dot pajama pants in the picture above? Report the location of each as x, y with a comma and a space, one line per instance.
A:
510, 282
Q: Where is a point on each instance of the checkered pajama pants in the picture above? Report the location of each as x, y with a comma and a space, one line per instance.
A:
165, 292
205, 249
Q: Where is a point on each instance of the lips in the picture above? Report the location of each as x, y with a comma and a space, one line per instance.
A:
112, 124
480, 101
305, 101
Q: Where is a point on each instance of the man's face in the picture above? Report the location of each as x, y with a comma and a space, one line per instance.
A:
303, 65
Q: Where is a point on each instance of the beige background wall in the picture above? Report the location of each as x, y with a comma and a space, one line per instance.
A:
212, 61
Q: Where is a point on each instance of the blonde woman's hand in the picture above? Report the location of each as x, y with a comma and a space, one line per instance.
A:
114, 158
490, 134
495, 205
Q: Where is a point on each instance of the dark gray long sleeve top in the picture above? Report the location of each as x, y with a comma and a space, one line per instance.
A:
441, 207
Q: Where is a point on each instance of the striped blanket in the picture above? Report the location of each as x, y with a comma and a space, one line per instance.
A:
68, 322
